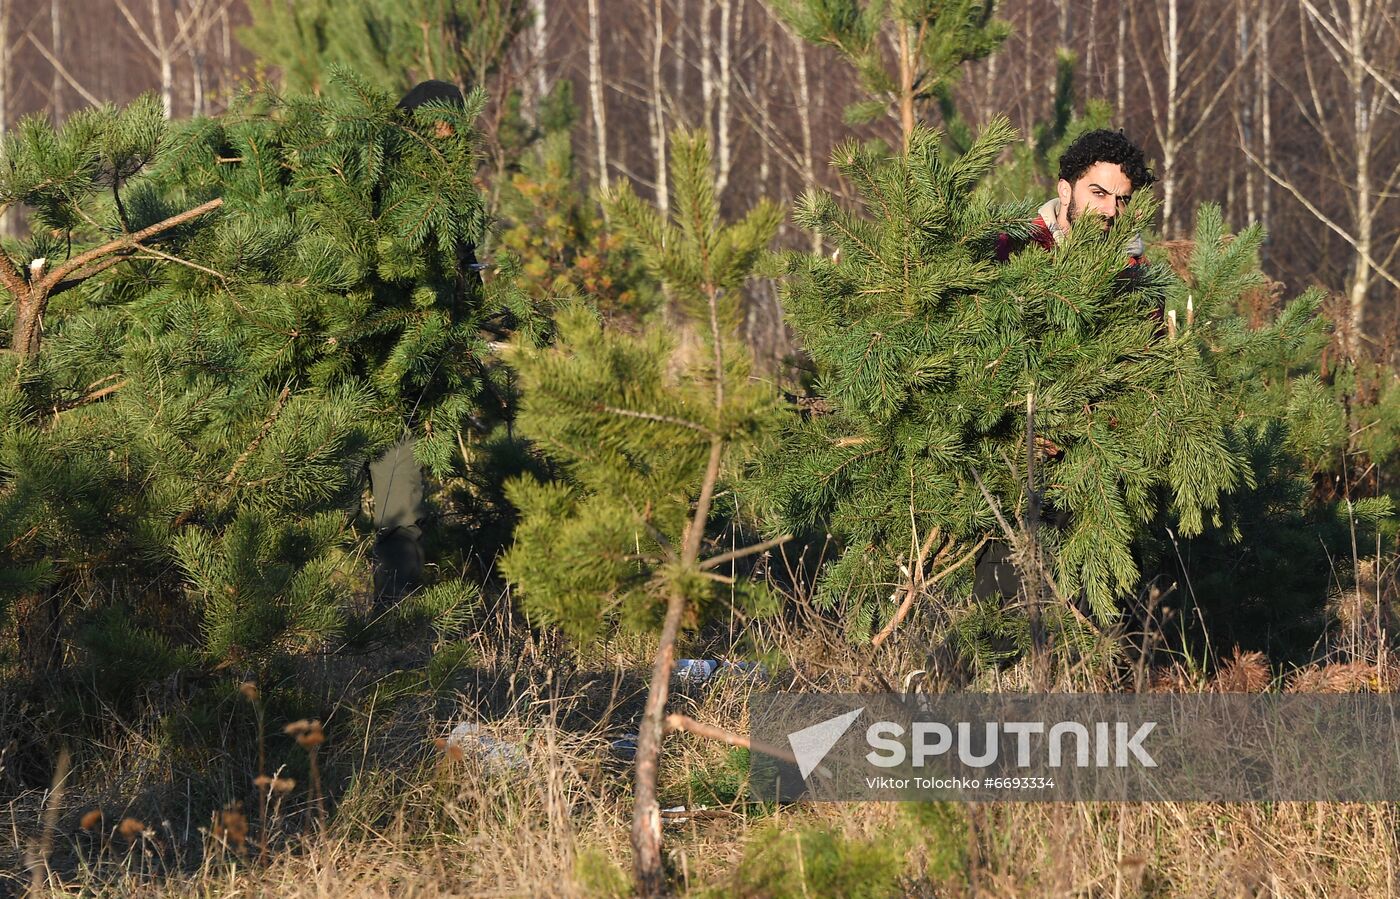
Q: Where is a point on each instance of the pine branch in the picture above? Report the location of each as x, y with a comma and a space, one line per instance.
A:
79, 277
663, 419
732, 555
690, 549
178, 261
32, 298
912, 592
126, 242
1017, 545
92, 397
262, 434
677, 722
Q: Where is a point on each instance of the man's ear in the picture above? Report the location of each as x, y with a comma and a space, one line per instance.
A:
1066, 191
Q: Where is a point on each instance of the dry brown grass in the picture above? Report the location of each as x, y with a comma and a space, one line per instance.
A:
432, 825
410, 815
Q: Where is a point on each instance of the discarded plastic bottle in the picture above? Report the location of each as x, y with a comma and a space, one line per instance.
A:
700, 670
493, 752
625, 746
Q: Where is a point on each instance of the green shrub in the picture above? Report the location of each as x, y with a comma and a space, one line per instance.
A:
597, 875
811, 862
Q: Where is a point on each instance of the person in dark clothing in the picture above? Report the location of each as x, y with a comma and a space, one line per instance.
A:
396, 479
1099, 172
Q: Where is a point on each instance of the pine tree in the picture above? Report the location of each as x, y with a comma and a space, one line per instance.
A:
642, 431
392, 43
904, 53
1262, 576
71, 182
1031, 167
556, 229
218, 397
930, 354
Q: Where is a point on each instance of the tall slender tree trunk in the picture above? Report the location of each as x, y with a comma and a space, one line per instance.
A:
197, 80
764, 94
1248, 111
989, 103
707, 62
906, 84
595, 91
1365, 199
1027, 103
1266, 137
5, 58
56, 46
539, 46
164, 60
1091, 43
724, 143
1121, 65
804, 121
658, 111
646, 814
1170, 150
679, 57
648, 870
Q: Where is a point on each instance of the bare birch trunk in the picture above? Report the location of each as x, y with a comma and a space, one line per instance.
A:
989, 103
804, 120
197, 81
765, 148
163, 59
1122, 64
539, 45
1365, 219
679, 57
6, 48
658, 113
595, 91
1247, 112
906, 84
1091, 42
724, 143
1028, 74
56, 45
707, 63
1266, 137
1169, 140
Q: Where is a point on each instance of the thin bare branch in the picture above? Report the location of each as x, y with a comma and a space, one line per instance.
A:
735, 554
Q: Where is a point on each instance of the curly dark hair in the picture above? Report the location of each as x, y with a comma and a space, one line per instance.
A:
1105, 146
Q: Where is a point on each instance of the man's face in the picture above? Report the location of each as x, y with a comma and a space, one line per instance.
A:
1103, 188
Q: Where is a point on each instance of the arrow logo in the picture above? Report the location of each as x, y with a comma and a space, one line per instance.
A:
811, 744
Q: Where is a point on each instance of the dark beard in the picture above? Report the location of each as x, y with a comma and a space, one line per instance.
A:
1072, 215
